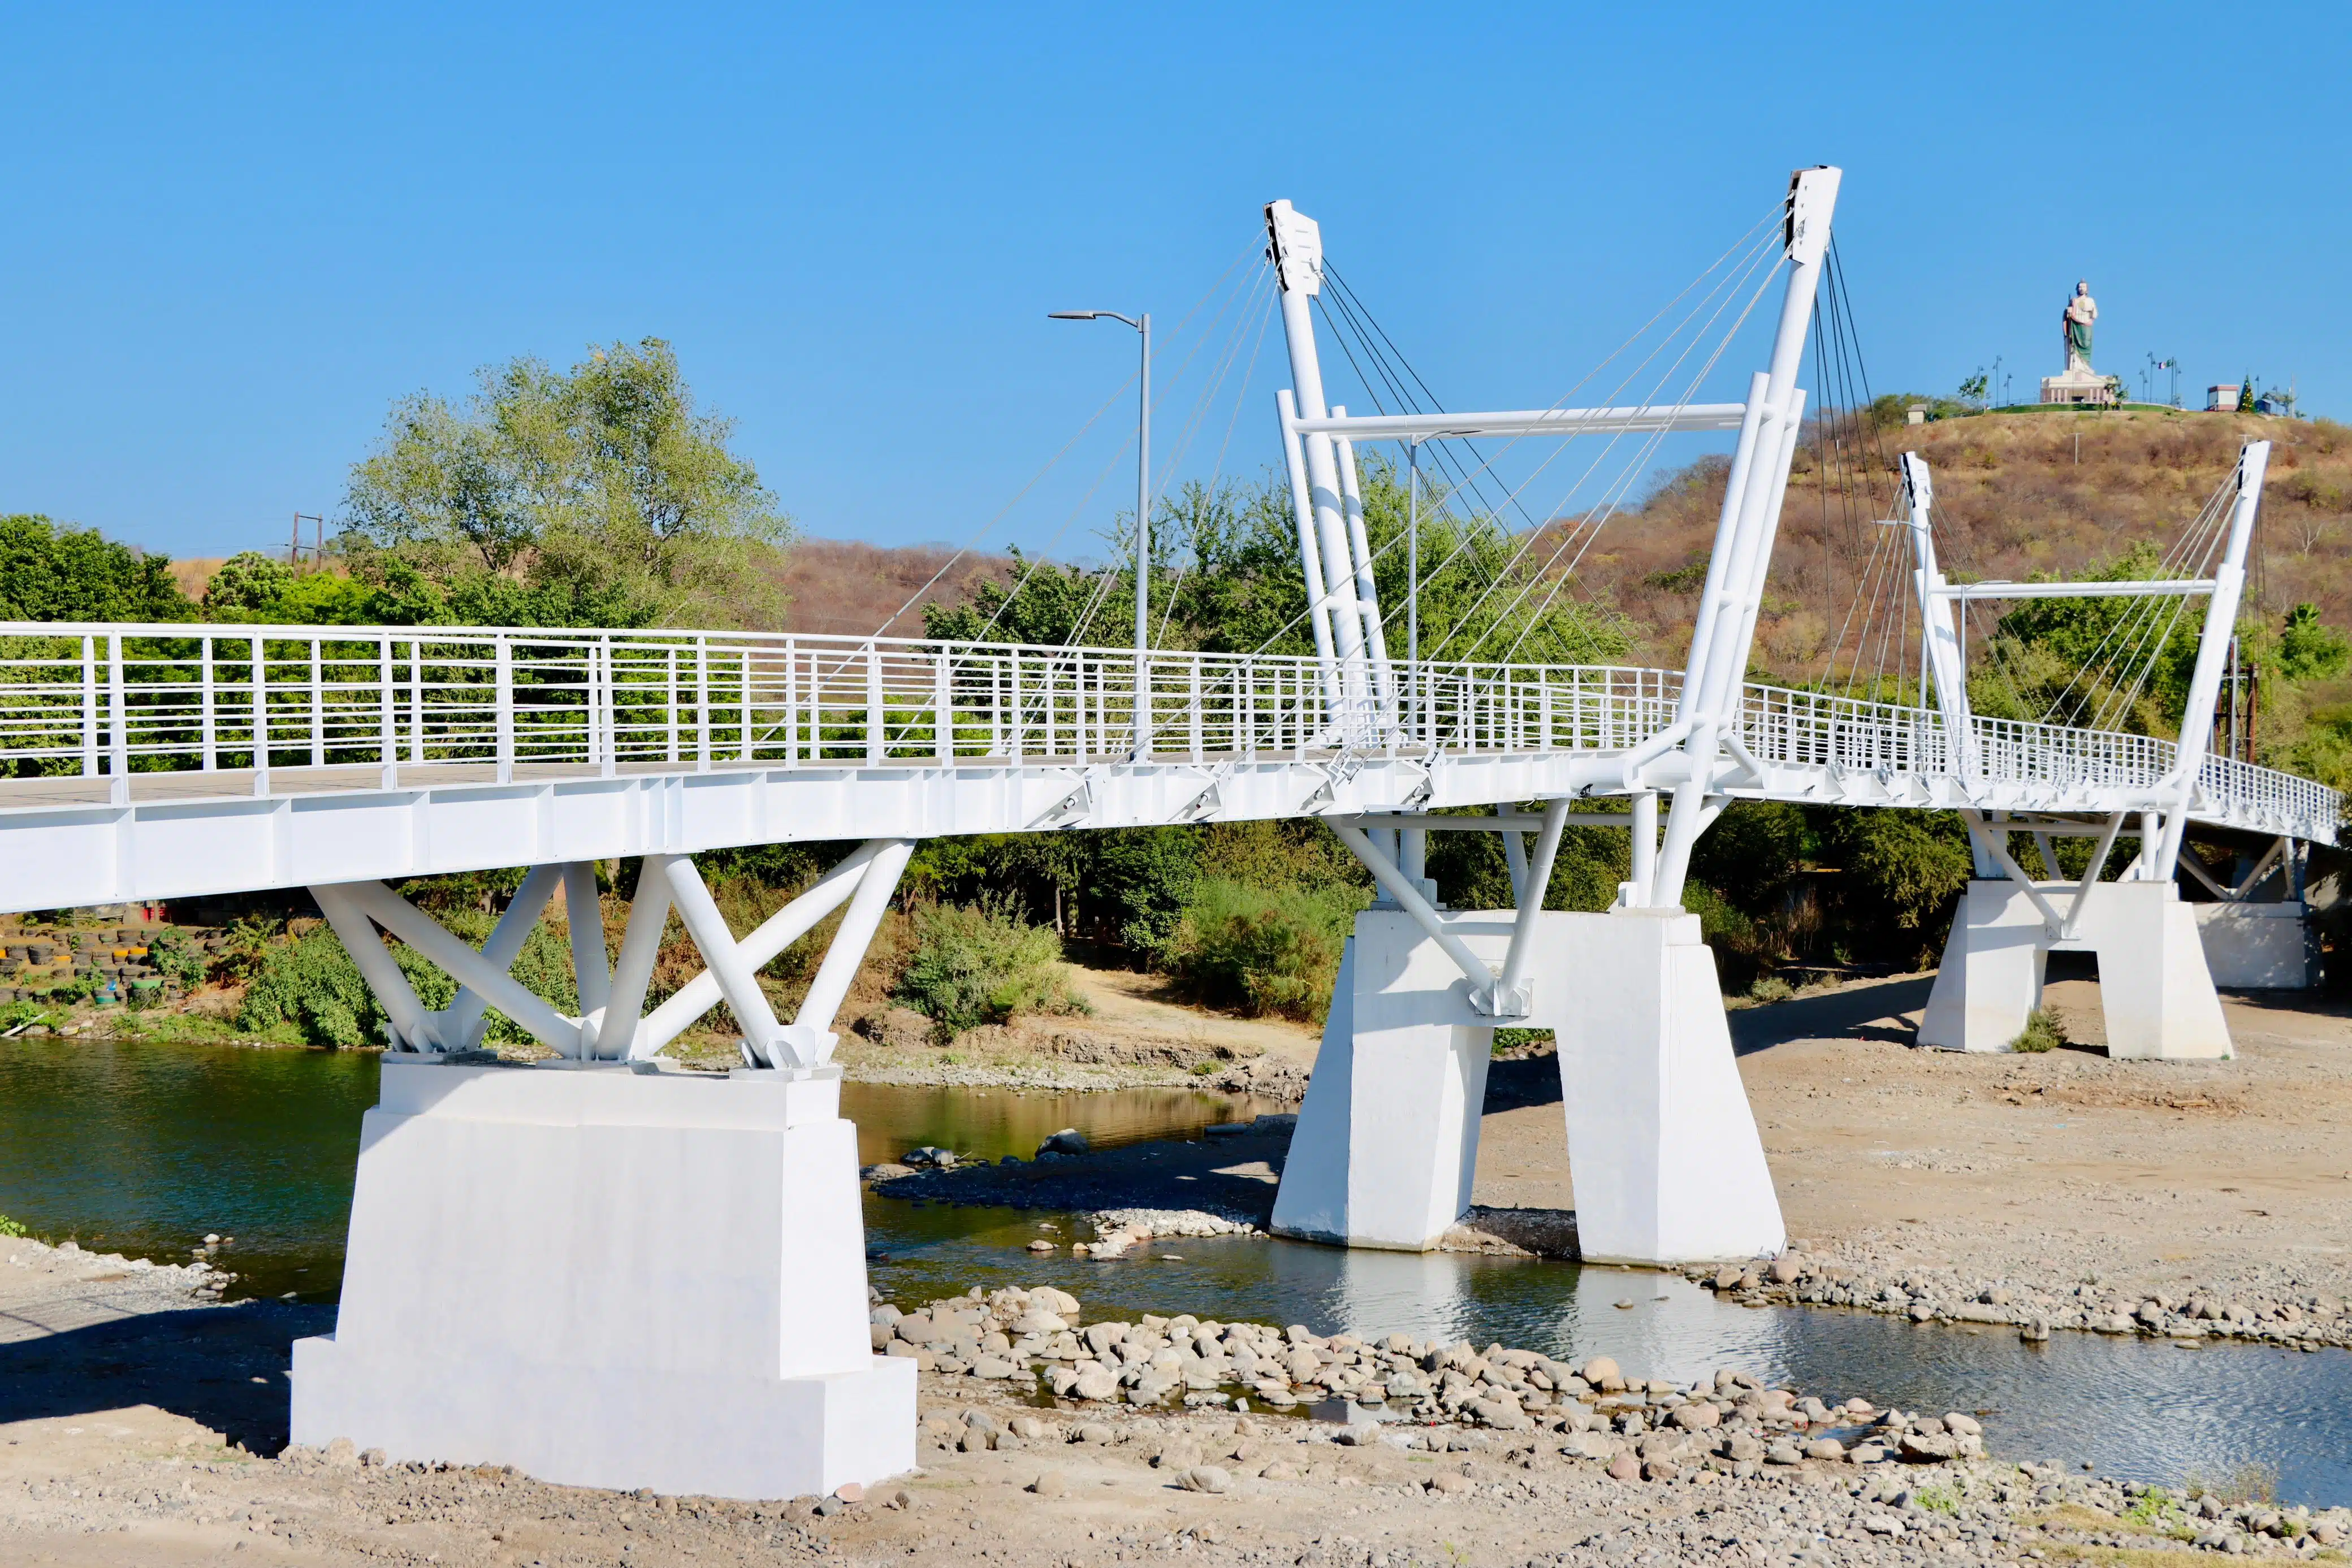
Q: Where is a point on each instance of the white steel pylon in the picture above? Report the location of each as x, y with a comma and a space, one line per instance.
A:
1667, 1164
2156, 983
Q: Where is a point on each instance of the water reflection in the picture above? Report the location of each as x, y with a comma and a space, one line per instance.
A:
144, 1148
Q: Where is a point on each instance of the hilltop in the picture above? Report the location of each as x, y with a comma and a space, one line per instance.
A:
2016, 494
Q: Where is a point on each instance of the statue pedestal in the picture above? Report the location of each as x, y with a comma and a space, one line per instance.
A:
2080, 386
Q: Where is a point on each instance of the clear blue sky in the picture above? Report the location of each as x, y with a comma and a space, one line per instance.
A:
235, 235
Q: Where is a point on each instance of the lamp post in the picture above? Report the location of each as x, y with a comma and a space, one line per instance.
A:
1142, 495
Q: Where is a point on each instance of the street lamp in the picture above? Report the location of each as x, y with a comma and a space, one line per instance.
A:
1142, 489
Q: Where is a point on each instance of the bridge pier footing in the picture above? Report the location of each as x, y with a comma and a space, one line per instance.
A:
610, 1277
2154, 987
1663, 1151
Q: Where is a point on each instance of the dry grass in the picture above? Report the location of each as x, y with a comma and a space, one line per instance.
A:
2011, 498
845, 587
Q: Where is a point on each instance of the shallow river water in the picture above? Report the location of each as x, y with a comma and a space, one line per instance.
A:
142, 1149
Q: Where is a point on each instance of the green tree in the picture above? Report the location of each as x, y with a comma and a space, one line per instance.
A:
2309, 649
58, 572
599, 491
2123, 663
2246, 394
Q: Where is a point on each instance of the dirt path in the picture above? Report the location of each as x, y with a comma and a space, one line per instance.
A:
2235, 1176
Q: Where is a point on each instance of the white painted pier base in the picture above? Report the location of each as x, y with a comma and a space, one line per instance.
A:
2155, 988
1661, 1146
2259, 947
610, 1278
1663, 1149
1387, 1142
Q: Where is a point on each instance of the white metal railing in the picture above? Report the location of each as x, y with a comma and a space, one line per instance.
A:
107, 700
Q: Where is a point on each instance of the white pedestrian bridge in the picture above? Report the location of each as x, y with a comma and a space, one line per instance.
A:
611, 1273
160, 761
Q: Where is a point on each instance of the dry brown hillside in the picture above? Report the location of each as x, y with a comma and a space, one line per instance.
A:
2012, 497
843, 586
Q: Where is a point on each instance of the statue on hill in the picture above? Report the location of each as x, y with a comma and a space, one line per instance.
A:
2080, 311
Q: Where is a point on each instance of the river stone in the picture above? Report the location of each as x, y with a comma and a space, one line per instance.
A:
1100, 1337
1625, 1468
1176, 1456
1966, 1425
1867, 1453
1036, 1320
1922, 1447
1204, 1477
1783, 1452
994, 1366
1826, 1448
1095, 1432
1601, 1371
1045, 1298
1696, 1415
1451, 1483
1589, 1445
1069, 1141
343, 1454
1096, 1383
1051, 1483
1500, 1414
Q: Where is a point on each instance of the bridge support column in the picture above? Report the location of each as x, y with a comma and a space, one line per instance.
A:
2155, 988
1661, 1146
1667, 1164
1387, 1142
610, 1276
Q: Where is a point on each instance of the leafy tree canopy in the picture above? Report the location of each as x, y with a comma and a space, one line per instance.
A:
53, 572
553, 496
1226, 579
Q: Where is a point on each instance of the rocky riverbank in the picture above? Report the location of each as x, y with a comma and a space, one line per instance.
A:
1852, 1277
1047, 1438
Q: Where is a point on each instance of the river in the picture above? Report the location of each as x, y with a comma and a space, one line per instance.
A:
143, 1149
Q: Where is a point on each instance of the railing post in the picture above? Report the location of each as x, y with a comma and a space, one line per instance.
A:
669, 704
874, 736
90, 708
503, 694
793, 706
942, 708
118, 788
744, 714
260, 716
318, 706
608, 708
417, 701
211, 737
1196, 706
383, 700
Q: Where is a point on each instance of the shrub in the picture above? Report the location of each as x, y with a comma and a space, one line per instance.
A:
313, 985
983, 964
2041, 1033
1771, 988
9, 1227
1265, 950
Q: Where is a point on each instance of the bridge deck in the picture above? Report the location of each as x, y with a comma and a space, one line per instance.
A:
131, 751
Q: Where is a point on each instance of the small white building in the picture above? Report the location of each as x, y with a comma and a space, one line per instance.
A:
2222, 399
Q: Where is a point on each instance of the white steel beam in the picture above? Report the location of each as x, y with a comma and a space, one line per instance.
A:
1514, 997
1408, 898
811, 1038
591, 972
2135, 589
412, 1026
633, 971
2213, 652
460, 1027
462, 963
738, 982
778, 932
1439, 425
